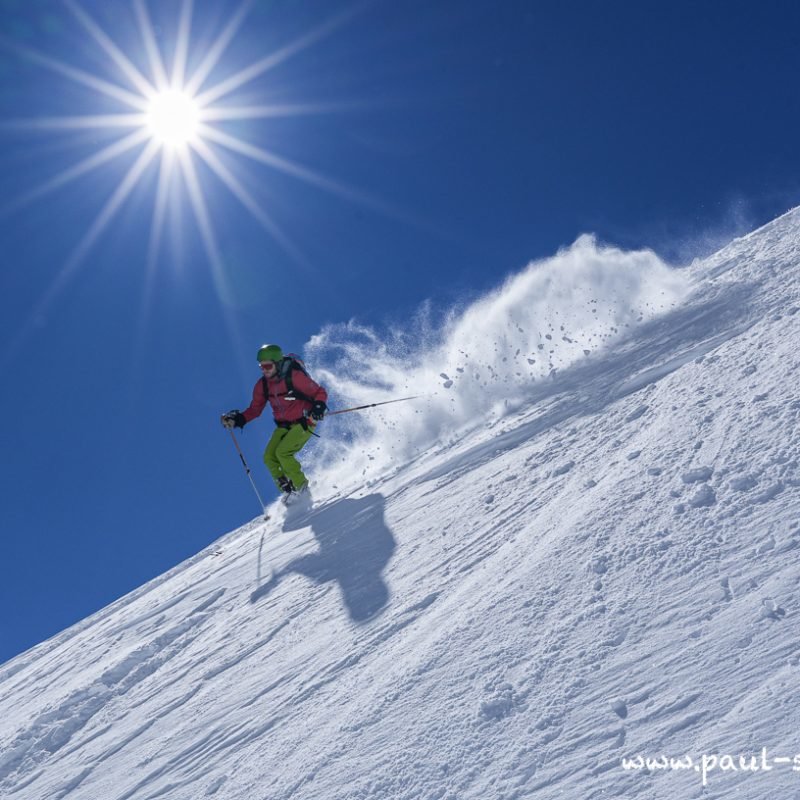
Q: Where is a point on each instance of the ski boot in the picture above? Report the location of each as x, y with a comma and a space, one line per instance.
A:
287, 489
299, 497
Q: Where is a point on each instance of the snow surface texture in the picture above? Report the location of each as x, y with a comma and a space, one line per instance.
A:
604, 572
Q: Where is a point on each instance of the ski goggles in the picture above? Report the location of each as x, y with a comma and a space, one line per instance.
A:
268, 366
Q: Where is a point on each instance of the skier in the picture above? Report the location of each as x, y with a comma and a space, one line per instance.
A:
298, 404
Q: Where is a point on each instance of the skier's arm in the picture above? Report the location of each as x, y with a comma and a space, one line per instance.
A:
256, 404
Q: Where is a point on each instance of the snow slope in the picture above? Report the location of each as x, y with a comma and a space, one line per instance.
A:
608, 571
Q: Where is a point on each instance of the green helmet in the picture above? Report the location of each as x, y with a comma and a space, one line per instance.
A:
269, 352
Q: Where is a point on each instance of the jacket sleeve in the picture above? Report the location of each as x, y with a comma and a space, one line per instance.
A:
256, 404
304, 384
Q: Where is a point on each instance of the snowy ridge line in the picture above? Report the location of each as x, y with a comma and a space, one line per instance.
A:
8, 669
750, 248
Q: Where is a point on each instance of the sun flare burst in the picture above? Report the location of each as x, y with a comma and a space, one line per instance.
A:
172, 112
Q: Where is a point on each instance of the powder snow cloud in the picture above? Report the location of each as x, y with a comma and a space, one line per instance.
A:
481, 360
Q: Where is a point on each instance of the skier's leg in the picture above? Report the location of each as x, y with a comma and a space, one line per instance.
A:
286, 450
271, 460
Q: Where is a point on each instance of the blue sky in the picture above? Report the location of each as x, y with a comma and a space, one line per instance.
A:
427, 151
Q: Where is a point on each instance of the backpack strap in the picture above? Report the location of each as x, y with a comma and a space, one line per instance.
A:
285, 370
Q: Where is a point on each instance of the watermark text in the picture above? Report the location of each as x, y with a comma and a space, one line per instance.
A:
706, 763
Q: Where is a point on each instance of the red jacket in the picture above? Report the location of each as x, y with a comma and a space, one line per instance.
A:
285, 408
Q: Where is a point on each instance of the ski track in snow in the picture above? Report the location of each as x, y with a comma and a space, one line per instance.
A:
610, 570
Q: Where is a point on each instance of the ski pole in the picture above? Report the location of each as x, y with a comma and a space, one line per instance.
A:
371, 405
247, 470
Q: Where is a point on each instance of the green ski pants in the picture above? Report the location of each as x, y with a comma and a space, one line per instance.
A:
283, 446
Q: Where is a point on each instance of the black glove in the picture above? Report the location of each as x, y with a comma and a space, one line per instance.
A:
233, 419
318, 410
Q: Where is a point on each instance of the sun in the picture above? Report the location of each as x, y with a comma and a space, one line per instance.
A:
173, 118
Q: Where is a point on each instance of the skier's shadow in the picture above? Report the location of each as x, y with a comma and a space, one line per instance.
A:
355, 545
